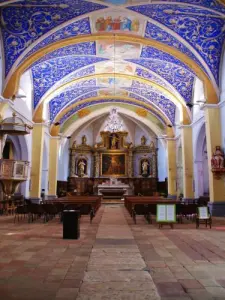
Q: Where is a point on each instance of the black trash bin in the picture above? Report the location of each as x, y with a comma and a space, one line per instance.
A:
71, 224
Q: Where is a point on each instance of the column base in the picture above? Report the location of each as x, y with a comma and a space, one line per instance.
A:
217, 209
173, 197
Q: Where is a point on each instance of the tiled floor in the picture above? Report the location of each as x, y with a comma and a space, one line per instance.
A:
114, 260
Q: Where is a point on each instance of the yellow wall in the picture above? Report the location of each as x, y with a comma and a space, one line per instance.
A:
213, 139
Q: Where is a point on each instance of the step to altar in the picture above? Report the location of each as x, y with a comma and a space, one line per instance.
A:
112, 201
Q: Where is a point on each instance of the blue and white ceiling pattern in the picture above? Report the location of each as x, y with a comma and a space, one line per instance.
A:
103, 101
195, 28
148, 96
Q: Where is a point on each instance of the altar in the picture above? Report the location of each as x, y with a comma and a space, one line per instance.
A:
114, 189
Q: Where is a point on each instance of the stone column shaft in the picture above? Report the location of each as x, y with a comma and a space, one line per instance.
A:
187, 162
53, 165
37, 155
171, 155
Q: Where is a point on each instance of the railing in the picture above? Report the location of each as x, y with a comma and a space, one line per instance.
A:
14, 169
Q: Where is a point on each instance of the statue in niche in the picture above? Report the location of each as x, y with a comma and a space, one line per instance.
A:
145, 168
143, 140
217, 160
74, 146
81, 168
84, 140
114, 141
130, 145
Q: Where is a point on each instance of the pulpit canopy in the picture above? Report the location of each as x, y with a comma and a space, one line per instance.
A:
14, 126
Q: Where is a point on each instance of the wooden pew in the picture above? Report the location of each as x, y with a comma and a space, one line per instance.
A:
86, 204
144, 205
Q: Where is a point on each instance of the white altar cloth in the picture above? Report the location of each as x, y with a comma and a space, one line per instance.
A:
115, 187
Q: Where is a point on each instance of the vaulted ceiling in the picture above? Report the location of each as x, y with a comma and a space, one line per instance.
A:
142, 53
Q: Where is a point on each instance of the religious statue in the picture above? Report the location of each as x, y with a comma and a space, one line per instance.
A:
84, 140
81, 167
130, 145
144, 166
143, 140
113, 141
217, 160
74, 145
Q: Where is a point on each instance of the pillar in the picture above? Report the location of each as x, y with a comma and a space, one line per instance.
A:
53, 166
37, 155
187, 161
130, 164
213, 139
171, 157
96, 165
72, 163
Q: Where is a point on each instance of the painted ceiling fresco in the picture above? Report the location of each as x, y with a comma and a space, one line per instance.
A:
196, 28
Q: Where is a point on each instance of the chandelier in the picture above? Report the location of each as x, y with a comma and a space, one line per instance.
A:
114, 122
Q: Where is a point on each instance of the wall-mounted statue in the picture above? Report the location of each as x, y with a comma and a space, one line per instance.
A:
81, 167
217, 160
143, 140
84, 140
114, 141
145, 167
74, 146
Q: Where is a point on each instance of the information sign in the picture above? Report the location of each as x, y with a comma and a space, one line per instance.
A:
166, 213
203, 212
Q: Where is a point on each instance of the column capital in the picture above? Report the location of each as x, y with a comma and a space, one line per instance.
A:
44, 124
185, 126
210, 106
55, 137
170, 139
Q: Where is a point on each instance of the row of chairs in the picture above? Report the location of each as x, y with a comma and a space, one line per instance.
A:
35, 211
48, 211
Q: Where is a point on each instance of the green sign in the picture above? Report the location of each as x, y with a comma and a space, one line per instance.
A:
166, 213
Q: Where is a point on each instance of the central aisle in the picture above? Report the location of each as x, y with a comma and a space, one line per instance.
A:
116, 269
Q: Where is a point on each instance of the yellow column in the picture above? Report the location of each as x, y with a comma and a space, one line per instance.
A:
213, 139
53, 165
172, 173
37, 155
187, 160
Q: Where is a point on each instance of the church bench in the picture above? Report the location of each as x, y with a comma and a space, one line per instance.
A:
140, 209
144, 205
130, 201
88, 205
